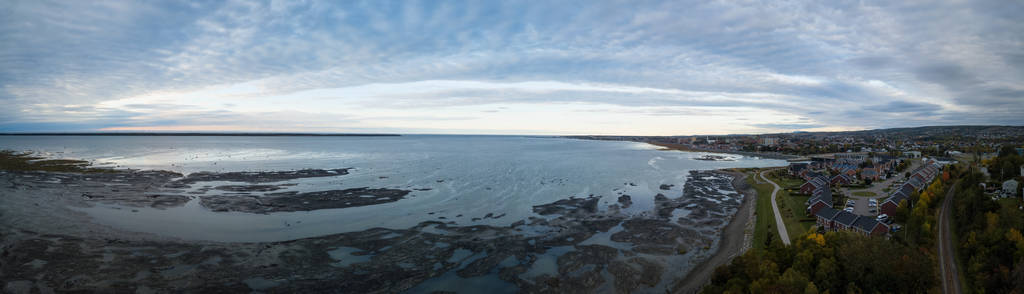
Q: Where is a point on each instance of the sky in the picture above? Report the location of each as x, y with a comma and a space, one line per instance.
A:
509, 67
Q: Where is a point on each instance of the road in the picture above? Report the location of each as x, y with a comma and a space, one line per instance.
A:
947, 263
775, 207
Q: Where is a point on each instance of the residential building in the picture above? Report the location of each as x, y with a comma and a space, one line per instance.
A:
830, 219
1010, 188
821, 198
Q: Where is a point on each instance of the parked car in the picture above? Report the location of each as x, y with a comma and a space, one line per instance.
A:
882, 217
849, 209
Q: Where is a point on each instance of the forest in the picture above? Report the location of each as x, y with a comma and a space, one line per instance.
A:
834, 262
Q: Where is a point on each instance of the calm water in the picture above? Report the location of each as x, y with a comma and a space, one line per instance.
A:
467, 175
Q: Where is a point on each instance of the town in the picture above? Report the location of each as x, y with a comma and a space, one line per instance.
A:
865, 181
943, 199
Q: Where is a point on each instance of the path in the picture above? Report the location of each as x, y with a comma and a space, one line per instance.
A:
947, 262
775, 207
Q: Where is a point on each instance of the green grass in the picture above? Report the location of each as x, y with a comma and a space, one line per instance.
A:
14, 161
790, 206
793, 211
764, 219
864, 193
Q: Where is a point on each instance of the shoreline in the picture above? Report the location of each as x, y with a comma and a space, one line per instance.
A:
358, 257
682, 147
733, 241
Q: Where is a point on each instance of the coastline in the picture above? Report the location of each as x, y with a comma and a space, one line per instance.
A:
365, 256
735, 239
682, 147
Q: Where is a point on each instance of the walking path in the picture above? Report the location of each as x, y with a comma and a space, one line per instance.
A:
947, 263
775, 207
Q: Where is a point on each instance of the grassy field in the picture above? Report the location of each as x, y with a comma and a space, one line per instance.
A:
864, 194
792, 208
764, 221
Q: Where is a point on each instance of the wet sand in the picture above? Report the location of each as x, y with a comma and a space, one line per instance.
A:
735, 239
570, 246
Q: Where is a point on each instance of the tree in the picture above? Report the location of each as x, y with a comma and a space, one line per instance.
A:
1007, 150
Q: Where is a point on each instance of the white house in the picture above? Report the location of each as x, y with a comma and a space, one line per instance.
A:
1009, 188
912, 154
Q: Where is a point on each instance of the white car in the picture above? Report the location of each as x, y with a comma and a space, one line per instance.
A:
849, 209
882, 217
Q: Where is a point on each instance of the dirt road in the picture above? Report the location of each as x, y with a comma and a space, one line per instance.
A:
947, 263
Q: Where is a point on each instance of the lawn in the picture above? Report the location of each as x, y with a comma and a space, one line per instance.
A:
790, 206
864, 194
794, 213
764, 221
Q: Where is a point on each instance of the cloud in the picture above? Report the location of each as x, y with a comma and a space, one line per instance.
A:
790, 126
904, 107
429, 66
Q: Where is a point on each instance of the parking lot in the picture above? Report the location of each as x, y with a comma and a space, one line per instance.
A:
861, 206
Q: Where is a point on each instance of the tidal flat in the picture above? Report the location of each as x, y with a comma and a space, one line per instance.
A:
304, 230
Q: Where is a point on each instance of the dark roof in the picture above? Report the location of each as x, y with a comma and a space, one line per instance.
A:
812, 175
907, 189
916, 182
827, 213
823, 194
901, 194
865, 224
843, 176
845, 218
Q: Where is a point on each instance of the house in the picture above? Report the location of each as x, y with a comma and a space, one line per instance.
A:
912, 154
825, 217
844, 221
917, 181
869, 173
814, 184
869, 226
821, 198
890, 205
810, 175
797, 167
838, 180
830, 219
1009, 188
944, 160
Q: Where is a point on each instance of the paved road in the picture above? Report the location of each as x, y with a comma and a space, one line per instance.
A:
947, 263
775, 207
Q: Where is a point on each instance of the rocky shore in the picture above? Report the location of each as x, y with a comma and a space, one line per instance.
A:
572, 245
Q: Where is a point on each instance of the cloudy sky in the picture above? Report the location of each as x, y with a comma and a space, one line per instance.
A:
507, 67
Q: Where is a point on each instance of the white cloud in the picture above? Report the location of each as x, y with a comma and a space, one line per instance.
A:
829, 62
